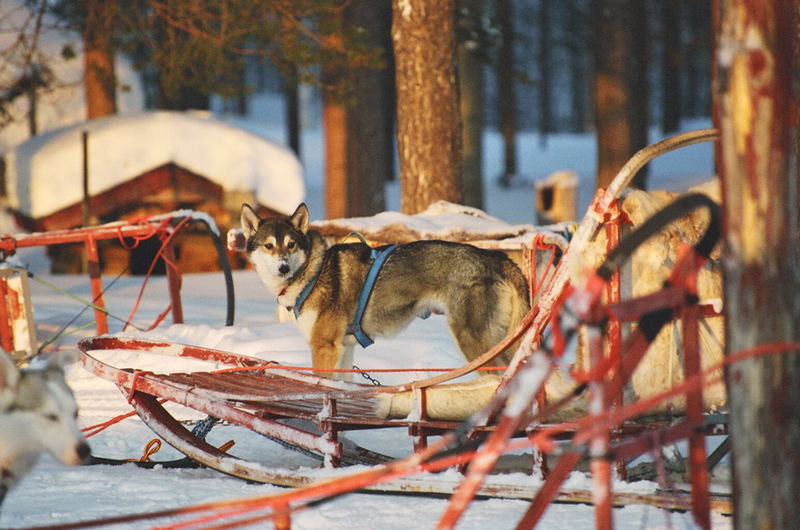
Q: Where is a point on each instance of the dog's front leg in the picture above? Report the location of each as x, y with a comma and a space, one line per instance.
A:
332, 355
328, 348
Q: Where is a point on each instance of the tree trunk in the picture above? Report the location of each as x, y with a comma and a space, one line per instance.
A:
670, 67
577, 47
357, 154
33, 112
369, 155
506, 95
291, 94
639, 86
471, 90
334, 123
389, 91
698, 53
545, 111
99, 78
612, 96
761, 269
716, 31
428, 124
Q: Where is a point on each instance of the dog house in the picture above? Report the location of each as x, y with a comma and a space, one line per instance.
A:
128, 166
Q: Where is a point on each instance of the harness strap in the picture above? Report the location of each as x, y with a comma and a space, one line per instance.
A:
378, 257
301, 298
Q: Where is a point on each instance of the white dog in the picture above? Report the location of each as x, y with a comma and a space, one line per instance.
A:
37, 414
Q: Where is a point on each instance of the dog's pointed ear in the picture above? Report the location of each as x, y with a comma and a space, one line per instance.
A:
249, 220
9, 374
299, 218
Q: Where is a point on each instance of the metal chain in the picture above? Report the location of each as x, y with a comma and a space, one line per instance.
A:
366, 376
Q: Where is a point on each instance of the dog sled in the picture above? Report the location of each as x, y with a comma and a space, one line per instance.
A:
311, 413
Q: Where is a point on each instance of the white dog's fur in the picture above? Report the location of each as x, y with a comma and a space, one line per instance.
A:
37, 414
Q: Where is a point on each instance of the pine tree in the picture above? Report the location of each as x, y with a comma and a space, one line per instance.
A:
428, 122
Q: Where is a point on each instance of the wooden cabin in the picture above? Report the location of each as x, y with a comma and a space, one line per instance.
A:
175, 180
166, 188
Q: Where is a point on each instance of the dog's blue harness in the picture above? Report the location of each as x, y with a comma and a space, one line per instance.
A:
378, 257
301, 298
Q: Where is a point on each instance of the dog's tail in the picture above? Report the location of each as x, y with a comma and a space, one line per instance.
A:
519, 300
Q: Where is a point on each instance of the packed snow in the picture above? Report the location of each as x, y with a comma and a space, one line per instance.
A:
54, 494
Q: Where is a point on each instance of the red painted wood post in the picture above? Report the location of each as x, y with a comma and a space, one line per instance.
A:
614, 295
756, 118
6, 333
93, 263
566, 463
174, 282
614, 327
282, 518
698, 472
600, 465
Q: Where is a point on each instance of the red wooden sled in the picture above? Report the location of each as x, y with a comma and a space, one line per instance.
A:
258, 397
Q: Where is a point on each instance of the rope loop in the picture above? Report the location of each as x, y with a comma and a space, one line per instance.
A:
151, 448
160, 254
155, 229
549, 270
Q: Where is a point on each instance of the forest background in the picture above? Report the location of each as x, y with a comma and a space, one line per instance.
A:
620, 68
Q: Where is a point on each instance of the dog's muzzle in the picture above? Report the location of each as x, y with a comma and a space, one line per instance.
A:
84, 452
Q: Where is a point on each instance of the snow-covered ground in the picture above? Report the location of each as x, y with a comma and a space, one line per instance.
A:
54, 494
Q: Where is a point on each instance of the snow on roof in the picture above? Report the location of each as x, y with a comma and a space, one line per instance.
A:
45, 173
63, 101
441, 220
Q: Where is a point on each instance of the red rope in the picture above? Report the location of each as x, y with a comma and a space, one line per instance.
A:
274, 366
139, 238
160, 318
165, 242
90, 431
150, 448
539, 244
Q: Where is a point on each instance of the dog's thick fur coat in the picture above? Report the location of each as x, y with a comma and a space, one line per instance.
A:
482, 292
37, 414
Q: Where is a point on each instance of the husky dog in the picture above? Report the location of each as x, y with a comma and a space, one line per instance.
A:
352, 293
37, 414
